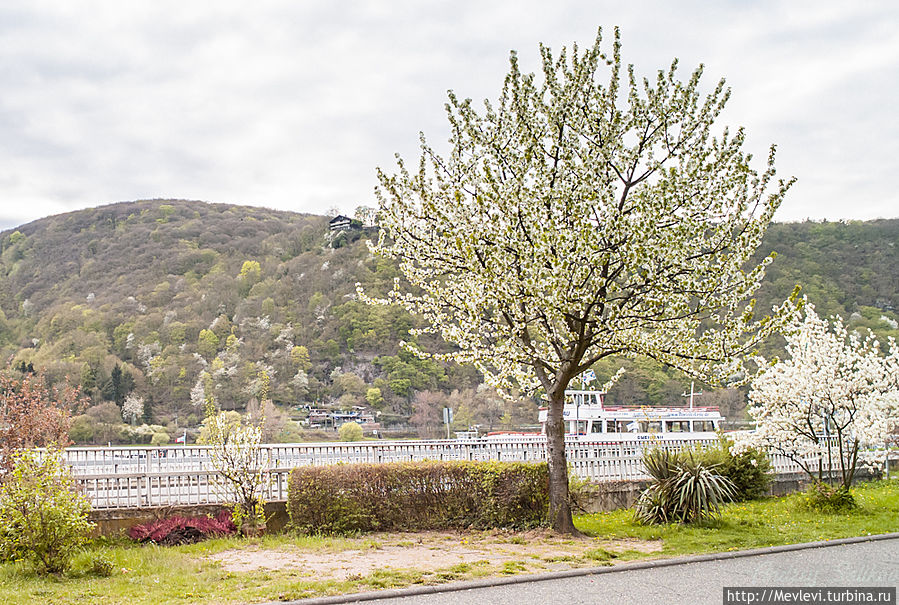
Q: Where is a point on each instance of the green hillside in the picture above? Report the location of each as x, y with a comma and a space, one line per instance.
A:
172, 299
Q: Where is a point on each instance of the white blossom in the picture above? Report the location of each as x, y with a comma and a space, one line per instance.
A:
147, 353
132, 408
258, 323
240, 461
285, 337
300, 380
833, 402
198, 392
201, 361
578, 218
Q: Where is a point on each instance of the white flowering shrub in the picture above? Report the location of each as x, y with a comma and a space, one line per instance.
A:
241, 465
237, 456
831, 404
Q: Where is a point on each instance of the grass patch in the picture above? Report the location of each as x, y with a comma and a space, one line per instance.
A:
393, 578
116, 571
511, 568
757, 523
600, 555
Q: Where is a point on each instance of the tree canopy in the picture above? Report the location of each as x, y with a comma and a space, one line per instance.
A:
585, 214
834, 397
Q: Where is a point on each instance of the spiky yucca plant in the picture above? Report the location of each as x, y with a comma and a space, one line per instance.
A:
684, 489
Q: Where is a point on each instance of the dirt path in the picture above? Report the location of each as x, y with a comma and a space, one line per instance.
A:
466, 554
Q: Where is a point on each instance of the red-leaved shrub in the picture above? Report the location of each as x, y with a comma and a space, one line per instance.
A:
183, 530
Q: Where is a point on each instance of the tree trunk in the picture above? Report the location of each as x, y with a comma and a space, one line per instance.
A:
559, 503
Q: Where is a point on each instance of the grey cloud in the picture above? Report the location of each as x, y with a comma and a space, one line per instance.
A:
293, 105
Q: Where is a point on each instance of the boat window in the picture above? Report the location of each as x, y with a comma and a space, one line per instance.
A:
678, 426
651, 427
578, 427
704, 426
611, 426
596, 426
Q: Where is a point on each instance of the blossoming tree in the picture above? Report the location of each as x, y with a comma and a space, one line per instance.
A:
132, 408
237, 455
242, 466
835, 386
576, 219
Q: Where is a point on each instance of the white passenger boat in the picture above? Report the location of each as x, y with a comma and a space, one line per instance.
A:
587, 417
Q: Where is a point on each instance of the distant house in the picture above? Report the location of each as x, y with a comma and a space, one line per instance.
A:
342, 223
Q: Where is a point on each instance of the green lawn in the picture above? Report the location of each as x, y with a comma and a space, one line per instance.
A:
759, 523
151, 574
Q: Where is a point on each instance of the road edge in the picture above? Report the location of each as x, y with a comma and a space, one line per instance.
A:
392, 593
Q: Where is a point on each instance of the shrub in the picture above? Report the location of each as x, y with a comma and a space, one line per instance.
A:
43, 518
350, 431
748, 470
828, 498
416, 496
241, 465
685, 489
183, 530
100, 566
579, 492
160, 439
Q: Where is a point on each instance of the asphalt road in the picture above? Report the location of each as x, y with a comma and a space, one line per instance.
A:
873, 563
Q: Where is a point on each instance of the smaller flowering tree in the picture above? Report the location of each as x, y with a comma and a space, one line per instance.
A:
241, 465
832, 404
132, 408
240, 461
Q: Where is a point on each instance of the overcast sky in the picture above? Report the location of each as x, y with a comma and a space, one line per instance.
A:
292, 105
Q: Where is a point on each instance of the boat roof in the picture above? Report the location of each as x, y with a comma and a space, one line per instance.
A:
586, 412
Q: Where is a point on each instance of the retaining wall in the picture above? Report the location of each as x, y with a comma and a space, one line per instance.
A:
598, 497
612, 495
115, 521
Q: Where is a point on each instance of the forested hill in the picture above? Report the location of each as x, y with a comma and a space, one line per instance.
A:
843, 267
162, 296
168, 297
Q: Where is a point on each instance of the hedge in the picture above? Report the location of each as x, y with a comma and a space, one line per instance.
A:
346, 498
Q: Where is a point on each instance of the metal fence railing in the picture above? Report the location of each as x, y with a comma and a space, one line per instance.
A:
129, 477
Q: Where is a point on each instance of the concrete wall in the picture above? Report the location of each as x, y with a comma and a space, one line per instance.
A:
612, 495
597, 497
112, 522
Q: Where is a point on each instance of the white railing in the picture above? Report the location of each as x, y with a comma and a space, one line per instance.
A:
166, 476
181, 488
